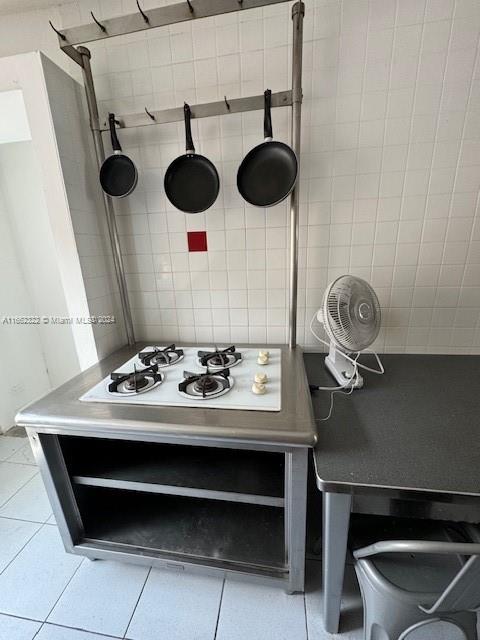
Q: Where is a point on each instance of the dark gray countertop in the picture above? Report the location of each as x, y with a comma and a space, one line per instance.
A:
62, 412
416, 428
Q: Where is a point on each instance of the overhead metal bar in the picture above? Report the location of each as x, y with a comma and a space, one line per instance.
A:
206, 110
151, 18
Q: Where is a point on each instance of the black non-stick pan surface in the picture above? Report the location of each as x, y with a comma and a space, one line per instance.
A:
269, 171
191, 181
118, 174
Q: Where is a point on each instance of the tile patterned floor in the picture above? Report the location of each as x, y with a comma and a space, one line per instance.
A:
47, 594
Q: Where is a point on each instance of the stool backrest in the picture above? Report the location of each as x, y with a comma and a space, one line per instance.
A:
463, 591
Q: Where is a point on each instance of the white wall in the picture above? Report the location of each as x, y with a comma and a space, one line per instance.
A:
390, 166
41, 238
80, 173
21, 182
23, 372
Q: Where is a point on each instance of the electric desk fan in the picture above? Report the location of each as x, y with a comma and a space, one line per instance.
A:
351, 316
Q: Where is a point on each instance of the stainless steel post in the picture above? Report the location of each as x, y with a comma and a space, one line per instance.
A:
298, 11
109, 210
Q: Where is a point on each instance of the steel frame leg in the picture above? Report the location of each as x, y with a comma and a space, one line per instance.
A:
296, 469
336, 519
51, 464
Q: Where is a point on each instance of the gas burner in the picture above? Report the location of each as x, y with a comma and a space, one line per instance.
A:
161, 357
135, 382
203, 386
219, 359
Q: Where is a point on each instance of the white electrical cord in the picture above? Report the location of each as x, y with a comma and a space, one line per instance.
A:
353, 380
350, 382
378, 371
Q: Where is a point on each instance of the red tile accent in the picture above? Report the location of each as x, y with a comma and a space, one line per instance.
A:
197, 240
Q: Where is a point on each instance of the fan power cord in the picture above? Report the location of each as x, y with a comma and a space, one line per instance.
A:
378, 371
350, 382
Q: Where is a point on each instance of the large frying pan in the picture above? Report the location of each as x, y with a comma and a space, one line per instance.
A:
118, 174
269, 171
191, 181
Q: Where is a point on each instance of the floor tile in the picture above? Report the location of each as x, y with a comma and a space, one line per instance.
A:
352, 610
29, 503
17, 629
13, 477
52, 632
176, 605
260, 612
51, 520
101, 597
23, 455
14, 535
33, 582
9, 445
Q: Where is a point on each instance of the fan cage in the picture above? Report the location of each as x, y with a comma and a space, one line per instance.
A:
351, 313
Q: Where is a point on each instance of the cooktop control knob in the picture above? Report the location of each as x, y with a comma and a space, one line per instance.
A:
263, 357
259, 389
261, 378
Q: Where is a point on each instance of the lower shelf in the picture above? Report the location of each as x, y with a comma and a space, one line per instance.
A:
244, 534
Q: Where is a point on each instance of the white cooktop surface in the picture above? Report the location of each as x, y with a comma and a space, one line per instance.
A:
240, 395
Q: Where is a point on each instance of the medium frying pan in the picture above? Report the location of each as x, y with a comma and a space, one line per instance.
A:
118, 174
269, 171
191, 181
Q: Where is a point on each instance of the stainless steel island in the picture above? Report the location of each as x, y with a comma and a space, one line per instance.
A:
211, 490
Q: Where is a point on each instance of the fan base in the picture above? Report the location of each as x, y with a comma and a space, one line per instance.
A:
342, 369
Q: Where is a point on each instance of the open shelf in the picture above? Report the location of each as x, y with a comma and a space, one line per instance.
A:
244, 536
242, 476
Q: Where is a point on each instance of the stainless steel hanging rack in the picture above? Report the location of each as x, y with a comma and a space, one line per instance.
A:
159, 17
173, 14
206, 110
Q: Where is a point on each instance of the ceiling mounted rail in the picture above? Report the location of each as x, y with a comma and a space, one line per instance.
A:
151, 18
206, 110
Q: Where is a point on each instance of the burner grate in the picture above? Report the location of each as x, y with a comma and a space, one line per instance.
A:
161, 357
220, 358
207, 384
136, 381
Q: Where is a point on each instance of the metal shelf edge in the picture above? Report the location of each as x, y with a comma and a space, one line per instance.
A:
93, 547
191, 492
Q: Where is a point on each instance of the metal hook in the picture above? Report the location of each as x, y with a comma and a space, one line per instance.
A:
240, 2
150, 115
190, 6
227, 104
59, 33
99, 23
144, 15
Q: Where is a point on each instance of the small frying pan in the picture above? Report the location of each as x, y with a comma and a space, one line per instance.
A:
191, 181
269, 171
118, 174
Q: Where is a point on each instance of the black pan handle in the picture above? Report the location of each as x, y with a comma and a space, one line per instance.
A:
267, 117
188, 129
113, 133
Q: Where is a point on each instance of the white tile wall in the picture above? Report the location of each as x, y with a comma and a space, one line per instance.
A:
390, 167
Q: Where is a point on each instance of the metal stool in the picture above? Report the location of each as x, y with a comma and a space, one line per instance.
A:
407, 584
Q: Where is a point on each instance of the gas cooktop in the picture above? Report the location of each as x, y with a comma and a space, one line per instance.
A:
215, 378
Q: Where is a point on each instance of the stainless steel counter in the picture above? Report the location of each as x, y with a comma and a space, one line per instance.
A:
292, 426
216, 490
